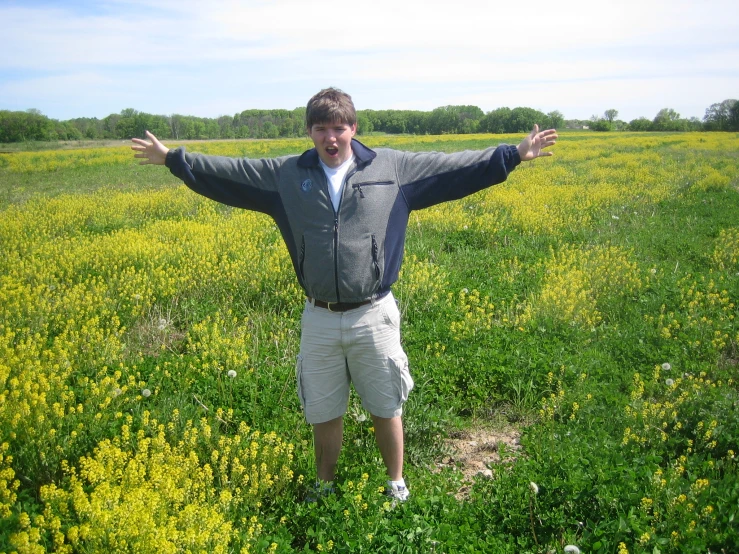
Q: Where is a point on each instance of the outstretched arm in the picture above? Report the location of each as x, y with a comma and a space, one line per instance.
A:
531, 147
152, 151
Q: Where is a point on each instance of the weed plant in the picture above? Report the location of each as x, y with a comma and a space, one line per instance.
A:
148, 339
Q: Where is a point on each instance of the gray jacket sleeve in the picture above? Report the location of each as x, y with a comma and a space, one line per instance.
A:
238, 182
429, 178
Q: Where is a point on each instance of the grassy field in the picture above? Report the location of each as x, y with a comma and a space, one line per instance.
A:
572, 330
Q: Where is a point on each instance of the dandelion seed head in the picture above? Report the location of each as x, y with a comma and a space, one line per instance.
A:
669, 382
231, 373
534, 487
666, 366
146, 393
572, 549
361, 418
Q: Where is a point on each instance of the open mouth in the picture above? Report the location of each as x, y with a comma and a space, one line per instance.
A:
332, 151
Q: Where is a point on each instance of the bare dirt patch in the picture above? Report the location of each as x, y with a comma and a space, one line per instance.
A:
477, 451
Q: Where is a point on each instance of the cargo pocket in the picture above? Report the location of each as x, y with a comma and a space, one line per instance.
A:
299, 379
403, 379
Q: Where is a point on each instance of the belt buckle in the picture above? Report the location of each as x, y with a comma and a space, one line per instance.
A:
328, 306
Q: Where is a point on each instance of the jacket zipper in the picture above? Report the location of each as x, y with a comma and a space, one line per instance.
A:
336, 228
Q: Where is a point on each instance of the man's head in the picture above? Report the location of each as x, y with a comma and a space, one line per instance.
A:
331, 121
330, 105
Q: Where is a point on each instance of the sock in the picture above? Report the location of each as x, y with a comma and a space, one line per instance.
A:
398, 484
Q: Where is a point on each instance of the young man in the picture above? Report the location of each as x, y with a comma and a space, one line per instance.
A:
342, 210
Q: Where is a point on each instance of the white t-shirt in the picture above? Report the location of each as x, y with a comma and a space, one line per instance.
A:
335, 176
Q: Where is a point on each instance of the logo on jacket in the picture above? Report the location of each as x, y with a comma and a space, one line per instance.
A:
306, 185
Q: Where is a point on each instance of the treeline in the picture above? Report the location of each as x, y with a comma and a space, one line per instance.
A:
32, 125
721, 116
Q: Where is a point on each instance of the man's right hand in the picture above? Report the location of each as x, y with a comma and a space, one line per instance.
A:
152, 151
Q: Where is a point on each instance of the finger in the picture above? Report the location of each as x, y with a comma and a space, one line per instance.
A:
535, 130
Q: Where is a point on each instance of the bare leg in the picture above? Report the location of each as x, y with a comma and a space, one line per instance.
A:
389, 436
327, 439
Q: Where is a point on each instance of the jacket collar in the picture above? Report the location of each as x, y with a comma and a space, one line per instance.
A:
364, 155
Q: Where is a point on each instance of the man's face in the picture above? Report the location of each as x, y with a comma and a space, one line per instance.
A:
333, 141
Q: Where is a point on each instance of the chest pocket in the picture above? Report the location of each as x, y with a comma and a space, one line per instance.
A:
367, 184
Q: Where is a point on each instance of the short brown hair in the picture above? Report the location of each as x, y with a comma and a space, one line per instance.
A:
330, 105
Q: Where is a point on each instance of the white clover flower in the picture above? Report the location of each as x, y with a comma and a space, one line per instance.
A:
572, 549
534, 487
666, 366
669, 382
653, 271
146, 393
361, 418
231, 373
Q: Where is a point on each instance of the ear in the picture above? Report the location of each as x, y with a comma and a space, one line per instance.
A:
354, 129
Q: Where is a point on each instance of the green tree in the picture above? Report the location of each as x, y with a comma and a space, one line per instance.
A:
225, 126
522, 120
496, 121
666, 119
734, 117
556, 119
454, 119
610, 115
640, 124
718, 116
270, 130
599, 124
364, 124
18, 126
126, 125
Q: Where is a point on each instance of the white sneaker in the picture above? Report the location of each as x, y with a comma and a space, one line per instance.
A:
397, 493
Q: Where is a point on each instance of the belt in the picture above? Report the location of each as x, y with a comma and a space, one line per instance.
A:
344, 306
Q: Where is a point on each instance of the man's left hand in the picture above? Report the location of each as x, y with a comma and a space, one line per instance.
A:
531, 147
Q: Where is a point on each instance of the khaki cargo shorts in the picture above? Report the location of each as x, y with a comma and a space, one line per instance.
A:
359, 346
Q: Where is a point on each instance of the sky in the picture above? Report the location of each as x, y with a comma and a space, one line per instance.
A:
78, 58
